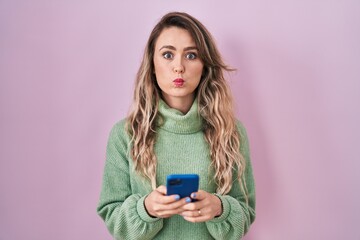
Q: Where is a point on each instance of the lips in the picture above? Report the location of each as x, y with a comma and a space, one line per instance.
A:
178, 82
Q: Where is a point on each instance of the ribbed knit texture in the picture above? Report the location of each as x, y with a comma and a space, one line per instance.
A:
180, 148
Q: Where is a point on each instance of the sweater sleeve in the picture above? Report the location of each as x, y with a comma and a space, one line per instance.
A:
123, 211
237, 214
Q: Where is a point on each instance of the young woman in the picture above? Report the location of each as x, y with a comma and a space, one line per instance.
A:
182, 121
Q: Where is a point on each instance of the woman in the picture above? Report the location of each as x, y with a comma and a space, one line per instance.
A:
182, 121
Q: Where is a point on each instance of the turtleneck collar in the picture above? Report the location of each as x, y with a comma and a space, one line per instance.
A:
173, 120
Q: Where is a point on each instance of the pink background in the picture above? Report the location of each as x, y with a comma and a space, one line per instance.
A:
66, 76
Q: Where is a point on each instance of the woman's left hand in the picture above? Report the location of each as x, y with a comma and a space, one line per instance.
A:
206, 207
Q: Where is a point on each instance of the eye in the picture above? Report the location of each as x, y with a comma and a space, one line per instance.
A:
167, 55
191, 56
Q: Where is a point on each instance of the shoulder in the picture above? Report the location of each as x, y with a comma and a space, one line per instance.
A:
120, 125
241, 129
118, 145
119, 132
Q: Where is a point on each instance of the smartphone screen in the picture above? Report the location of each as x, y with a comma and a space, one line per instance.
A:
182, 184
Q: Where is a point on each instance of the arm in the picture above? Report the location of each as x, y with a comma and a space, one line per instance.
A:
123, 212
237, 215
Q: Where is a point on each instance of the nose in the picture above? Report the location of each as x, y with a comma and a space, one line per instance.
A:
179, 69
178, 66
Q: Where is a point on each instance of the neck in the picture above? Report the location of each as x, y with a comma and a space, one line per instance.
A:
173, 120
182, 104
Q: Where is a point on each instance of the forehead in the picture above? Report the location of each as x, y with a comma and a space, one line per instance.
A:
174, 36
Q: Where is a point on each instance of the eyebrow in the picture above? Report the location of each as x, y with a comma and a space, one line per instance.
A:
173, 48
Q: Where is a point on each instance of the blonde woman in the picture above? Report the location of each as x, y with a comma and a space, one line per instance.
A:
181, 122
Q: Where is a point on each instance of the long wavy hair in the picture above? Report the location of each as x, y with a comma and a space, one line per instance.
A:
215, 107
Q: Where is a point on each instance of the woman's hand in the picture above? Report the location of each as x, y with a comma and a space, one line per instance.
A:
159, 205
204, 209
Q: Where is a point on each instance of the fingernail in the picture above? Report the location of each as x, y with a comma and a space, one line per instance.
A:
193, 195
177, 197
188, 200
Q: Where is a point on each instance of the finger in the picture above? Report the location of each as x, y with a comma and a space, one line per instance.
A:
179, 204
191, 213
167, 199
194, 206
167, 210
199, 195
161, 189
162, 198
169, 213
175, 207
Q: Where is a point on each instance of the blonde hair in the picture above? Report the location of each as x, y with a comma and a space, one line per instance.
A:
215, 106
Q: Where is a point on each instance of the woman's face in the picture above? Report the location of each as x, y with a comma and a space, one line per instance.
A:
178, 68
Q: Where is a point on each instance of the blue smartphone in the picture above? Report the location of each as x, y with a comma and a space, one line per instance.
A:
182, 184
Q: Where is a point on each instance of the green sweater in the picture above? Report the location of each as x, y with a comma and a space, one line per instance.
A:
180, 148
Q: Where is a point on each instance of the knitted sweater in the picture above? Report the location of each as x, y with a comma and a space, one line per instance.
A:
180, 148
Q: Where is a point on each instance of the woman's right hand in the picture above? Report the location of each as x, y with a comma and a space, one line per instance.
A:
159, 205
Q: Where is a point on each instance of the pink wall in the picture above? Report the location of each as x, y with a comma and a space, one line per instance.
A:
66, 75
